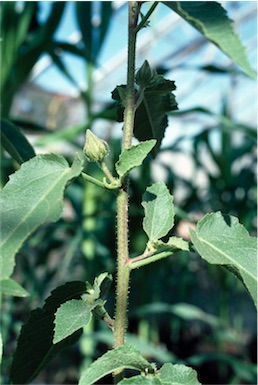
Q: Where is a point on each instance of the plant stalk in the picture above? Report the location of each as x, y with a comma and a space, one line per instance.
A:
123, 271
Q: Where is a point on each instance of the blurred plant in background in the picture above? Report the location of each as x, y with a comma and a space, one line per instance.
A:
195, 310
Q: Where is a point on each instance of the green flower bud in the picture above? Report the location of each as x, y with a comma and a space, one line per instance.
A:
144, 75
95, 149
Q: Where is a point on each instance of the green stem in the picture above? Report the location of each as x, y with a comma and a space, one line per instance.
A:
107, 172
146, 17
123, 272
92, 180
130, 99
146, 260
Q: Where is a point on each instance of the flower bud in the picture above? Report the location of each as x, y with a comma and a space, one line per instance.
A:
144, 75
95, 149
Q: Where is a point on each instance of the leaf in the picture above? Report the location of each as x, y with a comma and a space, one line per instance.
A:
211, 19
156, 100
133, 157
1, 348
174, 243
35, 347
15, 143
124, 357
159, 211
33, 196
93, 34
10, 287
222, 240
70, 317
20, 58
183, 310
168, 375
177, 375
146, 348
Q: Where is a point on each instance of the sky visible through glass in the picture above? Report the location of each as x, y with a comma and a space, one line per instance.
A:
168, 42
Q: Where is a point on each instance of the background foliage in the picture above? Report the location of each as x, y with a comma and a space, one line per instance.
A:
187, 310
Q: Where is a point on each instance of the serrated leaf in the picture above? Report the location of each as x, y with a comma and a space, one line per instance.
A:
33, 196
35, 346
223, 240
133, 157
151, 116
159, 211
14, 142
70, 317
157, 100
124, 357
10, 287
146, 348
211, 19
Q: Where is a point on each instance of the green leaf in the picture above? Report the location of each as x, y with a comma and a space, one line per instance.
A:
10, 287
124, 357
33, 196
177, 375
35, 346
70, 317
151, 115
222, 240
14, 142
168, 375
20, 58
159, 211
154, 101
1, 348
146, 348
183, 310
133, 157
93, 35
211, 19
173, 244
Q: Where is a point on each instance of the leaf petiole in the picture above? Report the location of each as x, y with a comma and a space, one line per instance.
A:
145, 259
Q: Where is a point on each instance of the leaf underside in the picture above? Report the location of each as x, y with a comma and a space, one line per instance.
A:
10, 287
211, 19
133, 156
222, 240
121, 358
33, 196
159, 211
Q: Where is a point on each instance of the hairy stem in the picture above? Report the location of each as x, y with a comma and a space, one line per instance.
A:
92, 180
130, 98
123, 271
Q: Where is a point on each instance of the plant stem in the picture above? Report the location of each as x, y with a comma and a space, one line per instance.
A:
130, 99
146, 17
143, 260
123, 271
107, 172
92, 180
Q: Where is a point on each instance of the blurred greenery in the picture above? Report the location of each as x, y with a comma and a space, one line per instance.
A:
82, 244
